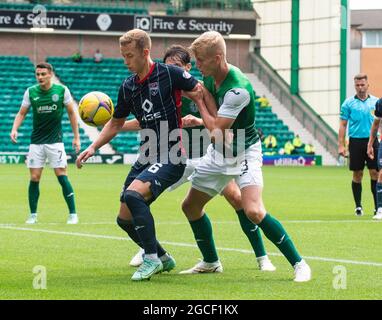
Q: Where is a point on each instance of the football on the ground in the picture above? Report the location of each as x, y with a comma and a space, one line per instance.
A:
96, 108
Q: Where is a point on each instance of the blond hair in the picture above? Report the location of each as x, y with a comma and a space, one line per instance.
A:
211, 41
141, 38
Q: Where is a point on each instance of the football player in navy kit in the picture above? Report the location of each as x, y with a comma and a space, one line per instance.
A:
152, 94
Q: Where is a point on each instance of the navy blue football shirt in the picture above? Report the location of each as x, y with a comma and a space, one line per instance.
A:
155, 101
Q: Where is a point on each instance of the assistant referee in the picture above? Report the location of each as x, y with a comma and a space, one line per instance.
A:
358, 112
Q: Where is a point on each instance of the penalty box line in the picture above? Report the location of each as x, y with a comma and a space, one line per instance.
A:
180, 244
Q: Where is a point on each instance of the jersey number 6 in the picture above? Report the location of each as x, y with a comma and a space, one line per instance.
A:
155, 167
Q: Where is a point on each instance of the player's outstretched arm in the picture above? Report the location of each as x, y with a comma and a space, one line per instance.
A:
74, 124
17, 123
131, 125
341, 138
108, 132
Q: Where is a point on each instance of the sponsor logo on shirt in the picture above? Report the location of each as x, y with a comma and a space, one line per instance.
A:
46, 109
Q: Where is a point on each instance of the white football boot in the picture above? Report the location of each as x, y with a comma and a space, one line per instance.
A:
137, 260
204, 267
302, 272
265, 264
32, 219
72, 219
378, 215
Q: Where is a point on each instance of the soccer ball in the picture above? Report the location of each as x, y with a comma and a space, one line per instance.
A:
96, 108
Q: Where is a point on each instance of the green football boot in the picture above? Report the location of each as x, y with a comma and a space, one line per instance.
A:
147, 269
168, 264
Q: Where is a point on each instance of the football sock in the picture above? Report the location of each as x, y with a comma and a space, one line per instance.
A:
143, 220
68, 193
373, 185
252, 231
379, 195
357, 191
202, 230
275, 232
33, 195
128, 227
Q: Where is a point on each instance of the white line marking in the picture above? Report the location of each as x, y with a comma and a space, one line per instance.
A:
186, 223
180, 244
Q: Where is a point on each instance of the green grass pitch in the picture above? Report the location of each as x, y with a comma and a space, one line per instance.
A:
90, 260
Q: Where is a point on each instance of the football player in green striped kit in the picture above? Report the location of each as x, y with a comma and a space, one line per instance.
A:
47, 101
242, 161
180, 56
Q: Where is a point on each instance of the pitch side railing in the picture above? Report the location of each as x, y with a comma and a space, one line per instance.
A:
295, 104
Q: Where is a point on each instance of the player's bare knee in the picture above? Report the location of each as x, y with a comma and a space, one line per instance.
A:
142, 188
255, 213
357, 176
35, 177
374, 174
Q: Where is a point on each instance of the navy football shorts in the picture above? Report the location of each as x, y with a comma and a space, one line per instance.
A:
161, 176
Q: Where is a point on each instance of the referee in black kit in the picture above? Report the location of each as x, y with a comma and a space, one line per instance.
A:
357, 113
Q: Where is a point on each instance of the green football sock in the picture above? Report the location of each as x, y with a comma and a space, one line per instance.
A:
68, 193
33, 195
275, 232
202, 230
252, 231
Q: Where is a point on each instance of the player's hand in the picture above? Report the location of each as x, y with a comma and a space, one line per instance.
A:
342, 151
191, 121
76, 144
14, 135
85, 155
370, 151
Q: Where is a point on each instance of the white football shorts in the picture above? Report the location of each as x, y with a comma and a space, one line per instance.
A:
54, 153
191, 164
214, 171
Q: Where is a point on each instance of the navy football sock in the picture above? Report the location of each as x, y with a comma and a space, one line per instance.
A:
128, 227
143, 220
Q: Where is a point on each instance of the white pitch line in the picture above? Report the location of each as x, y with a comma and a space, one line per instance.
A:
186, 223
180, 244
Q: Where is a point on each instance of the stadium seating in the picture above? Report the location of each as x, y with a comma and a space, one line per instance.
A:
269, 123
16, 74
107, 76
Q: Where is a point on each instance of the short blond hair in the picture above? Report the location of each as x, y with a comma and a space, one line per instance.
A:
141, 38
212, 41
